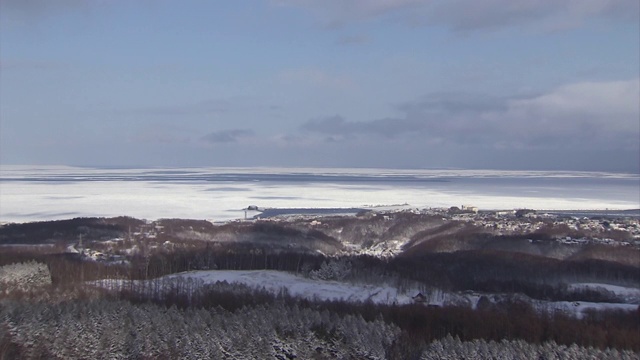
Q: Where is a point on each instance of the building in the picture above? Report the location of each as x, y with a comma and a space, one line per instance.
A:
473, 209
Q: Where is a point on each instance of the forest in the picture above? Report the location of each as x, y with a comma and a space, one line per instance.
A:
112, 288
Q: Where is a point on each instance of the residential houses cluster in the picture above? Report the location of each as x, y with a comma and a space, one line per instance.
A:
621, 231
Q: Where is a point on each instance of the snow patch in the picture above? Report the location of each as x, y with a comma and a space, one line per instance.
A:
274, 281
629, 294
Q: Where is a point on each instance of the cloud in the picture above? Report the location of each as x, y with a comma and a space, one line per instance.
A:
465, 15
587, 114
610, 105
337, 127
434, 117
581, 115
454, 103
227, 136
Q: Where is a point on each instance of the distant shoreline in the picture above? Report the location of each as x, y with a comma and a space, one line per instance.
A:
275, 212
266, 213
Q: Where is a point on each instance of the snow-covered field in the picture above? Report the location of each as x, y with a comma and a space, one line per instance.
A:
53, 192
630, 295
298, 286
579, 308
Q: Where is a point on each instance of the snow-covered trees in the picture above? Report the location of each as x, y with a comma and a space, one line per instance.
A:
453, 348
334, 269
118, 329
24, 276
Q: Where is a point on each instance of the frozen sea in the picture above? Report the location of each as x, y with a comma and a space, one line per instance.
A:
31, 193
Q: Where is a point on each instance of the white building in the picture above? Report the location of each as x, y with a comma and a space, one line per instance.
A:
470, 208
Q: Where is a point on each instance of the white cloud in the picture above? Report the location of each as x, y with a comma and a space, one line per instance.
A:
604, 107
599, 98
584, 115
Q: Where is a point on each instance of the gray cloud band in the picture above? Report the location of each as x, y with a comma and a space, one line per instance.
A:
582, 115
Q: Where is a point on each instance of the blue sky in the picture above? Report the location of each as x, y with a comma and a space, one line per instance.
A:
338, 83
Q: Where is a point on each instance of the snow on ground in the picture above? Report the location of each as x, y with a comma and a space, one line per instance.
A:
579, 308
298, 286
273, 281
389, 208
629, 294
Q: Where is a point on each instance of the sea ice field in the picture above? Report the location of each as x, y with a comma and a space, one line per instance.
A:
32, 193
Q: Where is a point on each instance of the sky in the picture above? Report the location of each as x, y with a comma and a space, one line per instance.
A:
417, 84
